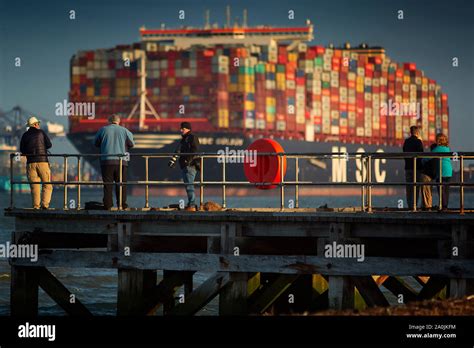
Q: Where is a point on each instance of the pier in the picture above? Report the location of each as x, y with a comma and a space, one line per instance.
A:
274, 260
257, 259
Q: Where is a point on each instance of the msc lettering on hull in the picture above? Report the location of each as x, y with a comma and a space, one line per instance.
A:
339, 166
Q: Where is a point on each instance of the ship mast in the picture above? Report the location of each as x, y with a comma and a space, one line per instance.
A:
143, 102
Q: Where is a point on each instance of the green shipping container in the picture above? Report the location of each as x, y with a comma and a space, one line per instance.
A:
318, 61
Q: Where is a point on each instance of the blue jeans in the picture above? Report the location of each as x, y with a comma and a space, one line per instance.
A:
189, 173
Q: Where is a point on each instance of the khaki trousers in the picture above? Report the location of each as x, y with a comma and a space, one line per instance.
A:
40, 172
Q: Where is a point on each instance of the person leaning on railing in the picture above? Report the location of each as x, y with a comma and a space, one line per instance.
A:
412, 144
114, 139
428, 174
446, 167
35, 142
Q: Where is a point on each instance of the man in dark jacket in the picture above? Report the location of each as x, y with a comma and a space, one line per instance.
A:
35, 143
412, 144
189, 164
114, 139
427, 175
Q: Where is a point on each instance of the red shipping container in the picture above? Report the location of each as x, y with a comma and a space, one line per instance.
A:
311, 53
409, 66
282, 59
320, 50
300, 81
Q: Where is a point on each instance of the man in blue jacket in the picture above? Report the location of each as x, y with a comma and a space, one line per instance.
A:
114, 139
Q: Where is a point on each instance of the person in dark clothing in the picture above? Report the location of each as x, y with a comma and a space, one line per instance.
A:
189, 164
36, 142
114, 139
428, 174
412, 144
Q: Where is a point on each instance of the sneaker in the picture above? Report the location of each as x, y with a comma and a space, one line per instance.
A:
190, 208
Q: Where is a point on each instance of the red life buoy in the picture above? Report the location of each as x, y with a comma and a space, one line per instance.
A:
266, 168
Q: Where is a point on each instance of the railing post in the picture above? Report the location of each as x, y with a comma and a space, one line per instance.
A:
224, 203
11, 180
282, 185
201, 179
461, 186
414, 184
120, 183
65, 181
440, 183
147, 193
297, 191
369, 181
79, 178
363, 164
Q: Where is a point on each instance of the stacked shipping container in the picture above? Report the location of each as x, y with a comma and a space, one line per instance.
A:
298, 92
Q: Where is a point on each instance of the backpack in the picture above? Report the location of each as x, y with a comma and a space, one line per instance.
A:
94, 206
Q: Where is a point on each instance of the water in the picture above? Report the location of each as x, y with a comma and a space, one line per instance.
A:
98, 289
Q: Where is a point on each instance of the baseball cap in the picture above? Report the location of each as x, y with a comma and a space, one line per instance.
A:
32, 121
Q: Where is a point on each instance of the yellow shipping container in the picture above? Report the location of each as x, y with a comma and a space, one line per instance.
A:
233, 87
90, 91
186, 90
270, 101
76, 79
249, 105
171, 81
270, 117
269, 67
292, 57
223, 113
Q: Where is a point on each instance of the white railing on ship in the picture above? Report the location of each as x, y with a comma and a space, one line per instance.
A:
365, 185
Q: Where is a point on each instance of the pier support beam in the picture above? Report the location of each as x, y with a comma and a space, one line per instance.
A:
461, 248
24, 291
341, 288
233, 297
135, 286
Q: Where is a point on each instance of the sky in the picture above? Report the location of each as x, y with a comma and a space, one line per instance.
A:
42, 35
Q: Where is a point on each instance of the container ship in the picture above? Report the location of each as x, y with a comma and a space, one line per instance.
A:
237, 84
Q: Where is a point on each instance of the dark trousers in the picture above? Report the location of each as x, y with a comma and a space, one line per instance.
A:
111, 173
445, 193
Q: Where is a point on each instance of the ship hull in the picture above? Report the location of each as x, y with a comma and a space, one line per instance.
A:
315, 170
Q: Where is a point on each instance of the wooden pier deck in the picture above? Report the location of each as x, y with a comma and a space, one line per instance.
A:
259, 259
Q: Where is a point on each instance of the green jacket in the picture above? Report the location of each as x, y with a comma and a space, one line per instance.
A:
447, 168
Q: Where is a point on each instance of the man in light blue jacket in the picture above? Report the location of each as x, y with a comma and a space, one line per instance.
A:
114, 139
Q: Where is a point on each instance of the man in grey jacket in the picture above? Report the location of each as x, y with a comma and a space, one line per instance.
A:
114, 139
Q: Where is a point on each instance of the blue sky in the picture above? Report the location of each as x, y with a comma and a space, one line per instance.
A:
42, 35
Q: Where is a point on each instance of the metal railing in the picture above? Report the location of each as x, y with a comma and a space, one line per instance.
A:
366, 168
